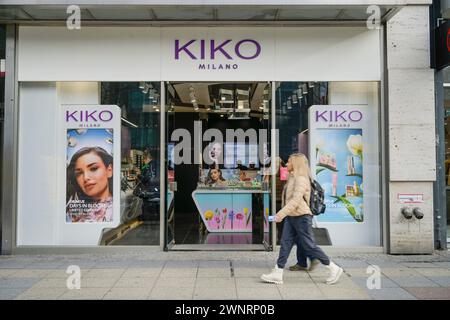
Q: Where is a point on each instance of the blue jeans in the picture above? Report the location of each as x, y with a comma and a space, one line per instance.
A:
299, 230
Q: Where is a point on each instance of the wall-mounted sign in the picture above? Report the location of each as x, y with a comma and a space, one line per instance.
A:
92, 163
410, 197
336, 153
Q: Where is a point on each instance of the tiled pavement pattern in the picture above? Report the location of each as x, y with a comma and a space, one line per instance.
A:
160, 275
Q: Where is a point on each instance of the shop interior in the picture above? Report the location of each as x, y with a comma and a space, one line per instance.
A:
213, 201
191, 218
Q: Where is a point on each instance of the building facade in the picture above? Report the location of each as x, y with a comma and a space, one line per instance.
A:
150, 84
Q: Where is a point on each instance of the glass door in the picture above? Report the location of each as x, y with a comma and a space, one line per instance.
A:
169, 170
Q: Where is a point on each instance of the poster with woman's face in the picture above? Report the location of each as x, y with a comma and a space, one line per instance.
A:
89, 169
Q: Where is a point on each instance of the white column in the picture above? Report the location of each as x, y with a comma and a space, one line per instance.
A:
411, 129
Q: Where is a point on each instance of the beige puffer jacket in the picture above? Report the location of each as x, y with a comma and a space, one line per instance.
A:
296, 190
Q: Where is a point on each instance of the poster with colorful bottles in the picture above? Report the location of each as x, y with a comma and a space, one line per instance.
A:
336, 156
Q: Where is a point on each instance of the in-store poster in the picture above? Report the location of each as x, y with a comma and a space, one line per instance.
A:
336, 157
90, 163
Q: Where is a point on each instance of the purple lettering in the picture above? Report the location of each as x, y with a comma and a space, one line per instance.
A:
202, 49
219, 48
339, 115
184, 48
321, 115
108, 113
359, 114
71, 115
90, 115
238, 51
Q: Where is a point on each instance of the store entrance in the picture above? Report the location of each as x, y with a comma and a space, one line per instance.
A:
217, 166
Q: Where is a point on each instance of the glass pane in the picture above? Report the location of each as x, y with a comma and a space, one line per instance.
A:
336, 126
140, 173
2, 103
447, 141
222, 186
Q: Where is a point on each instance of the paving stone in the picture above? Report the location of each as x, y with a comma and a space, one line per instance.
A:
31, 273
335, 293
161, 293
442, 281
357, 272
175, 282
13, 264
51, 283
214, 264
105, 273
385, 282
178, 273
84, 294
10, 293
111, 265
215, 283
215, 294
251, 282
417, 281
188, 264
214, 273
351, 263
420, 265
98, 282
300, 293
433, 272
62, 274
146, 264
11, 283
430, 293
390, 294
250, 272
41, 294
135, 283
45, 265
127, 294
399, 272
141, 272
6, 273
269, 293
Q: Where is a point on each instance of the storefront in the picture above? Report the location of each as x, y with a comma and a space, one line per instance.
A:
187, 130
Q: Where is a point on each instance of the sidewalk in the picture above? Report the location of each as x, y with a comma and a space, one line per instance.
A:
218, 275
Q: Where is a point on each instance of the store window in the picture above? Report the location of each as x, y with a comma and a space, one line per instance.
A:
2, 104
336, 125
140, 161
89, 163
447, 141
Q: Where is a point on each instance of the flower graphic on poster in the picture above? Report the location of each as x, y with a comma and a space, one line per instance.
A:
355, 145
338, 168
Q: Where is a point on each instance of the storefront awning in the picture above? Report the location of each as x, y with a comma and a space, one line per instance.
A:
200, 12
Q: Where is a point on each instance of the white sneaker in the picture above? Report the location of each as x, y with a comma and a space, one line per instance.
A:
276, 276
335, 273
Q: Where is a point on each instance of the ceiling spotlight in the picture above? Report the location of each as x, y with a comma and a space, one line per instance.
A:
311, 84
294, 98
141, 85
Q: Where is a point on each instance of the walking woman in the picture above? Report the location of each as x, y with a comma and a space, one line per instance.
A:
298, 223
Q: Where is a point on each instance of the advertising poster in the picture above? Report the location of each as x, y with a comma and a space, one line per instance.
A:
336, 157
91, 133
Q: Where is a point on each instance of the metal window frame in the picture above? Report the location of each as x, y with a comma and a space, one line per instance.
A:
10, 146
